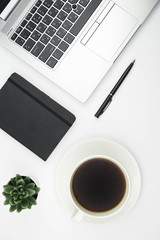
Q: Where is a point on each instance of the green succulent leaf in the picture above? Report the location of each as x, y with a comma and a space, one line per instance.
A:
6, 202
29, 206
13, 208
27, 180
17, 201
5, 194
8, 188
18, 177
30, 185
32, 200
36, 189
24, 203
11, 201
19, 208
30, 192
25, 194
15, 198
14, 193
20, 182
20, 188
13, 181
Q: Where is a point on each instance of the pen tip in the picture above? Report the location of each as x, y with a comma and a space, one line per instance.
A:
133, 61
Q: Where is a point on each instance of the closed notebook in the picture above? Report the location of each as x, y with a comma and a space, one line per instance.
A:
31, 117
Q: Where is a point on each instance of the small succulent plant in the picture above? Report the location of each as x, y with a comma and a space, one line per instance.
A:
20, 193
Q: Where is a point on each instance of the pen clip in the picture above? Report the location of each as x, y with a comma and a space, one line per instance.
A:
107, 105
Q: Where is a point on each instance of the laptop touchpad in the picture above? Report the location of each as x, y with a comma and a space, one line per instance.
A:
110, 32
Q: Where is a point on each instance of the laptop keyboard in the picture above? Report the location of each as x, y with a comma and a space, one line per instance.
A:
51, 26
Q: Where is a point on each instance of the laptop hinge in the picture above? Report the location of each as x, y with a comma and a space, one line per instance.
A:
8, 9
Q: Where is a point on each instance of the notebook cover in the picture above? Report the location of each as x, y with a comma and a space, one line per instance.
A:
31, 117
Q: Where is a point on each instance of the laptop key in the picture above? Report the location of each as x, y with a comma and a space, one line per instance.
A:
84, 2
47, 20
33, 10
67, 7
36, 18
14, 36
51, 62
69, 38
28, 17
57, 54
53, 12
38, 3
50, 31
19, 29
23, 24
20, 41
46, 52
31, 26
36, 35
56, 23
37, 49
63, 46
59, 4
41, 27
25, 33
73, 17
62, 15
42, 10
29, 44
48, 3
61, 32
55, 40
45, 39
67, 25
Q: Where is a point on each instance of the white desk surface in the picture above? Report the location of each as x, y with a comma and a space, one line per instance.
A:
133, 119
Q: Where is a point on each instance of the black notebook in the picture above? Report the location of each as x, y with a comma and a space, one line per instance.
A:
31, 117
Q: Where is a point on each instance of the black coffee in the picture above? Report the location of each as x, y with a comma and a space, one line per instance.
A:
99, 185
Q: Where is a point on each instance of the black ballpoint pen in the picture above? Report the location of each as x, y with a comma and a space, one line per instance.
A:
108, 100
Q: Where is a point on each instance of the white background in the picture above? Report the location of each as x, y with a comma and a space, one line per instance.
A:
132, 119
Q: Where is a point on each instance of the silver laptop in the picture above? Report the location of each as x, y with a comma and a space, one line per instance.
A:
71, 42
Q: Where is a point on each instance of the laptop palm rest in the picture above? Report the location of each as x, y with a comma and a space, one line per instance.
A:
108, 32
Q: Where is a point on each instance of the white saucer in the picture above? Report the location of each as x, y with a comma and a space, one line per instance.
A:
89, 148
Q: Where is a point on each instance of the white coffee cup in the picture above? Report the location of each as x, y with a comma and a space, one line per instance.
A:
85, 151
82, 211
